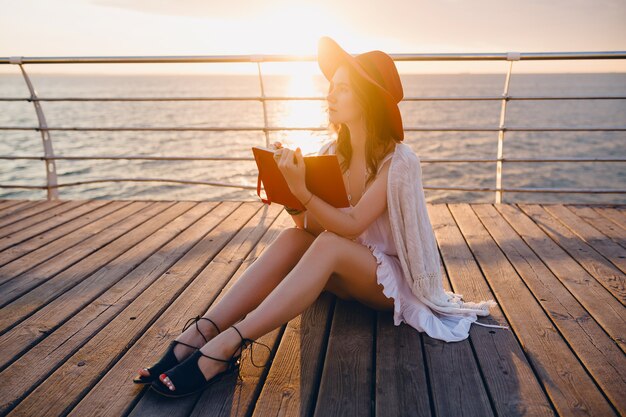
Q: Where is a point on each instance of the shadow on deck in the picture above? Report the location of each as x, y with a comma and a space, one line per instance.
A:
91, 291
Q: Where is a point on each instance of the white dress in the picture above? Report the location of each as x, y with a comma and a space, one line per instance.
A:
407, 307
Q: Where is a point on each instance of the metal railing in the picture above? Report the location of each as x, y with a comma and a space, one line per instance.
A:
49, 157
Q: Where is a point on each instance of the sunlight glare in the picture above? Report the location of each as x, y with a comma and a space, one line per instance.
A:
301, 113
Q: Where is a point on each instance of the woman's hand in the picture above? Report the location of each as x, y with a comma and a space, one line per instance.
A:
276, 145
291, 165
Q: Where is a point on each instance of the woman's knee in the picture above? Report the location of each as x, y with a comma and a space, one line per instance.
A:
292, 237
293, 233
327, 240
329, 246
328, 235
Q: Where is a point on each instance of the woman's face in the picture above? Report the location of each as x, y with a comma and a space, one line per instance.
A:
342, 103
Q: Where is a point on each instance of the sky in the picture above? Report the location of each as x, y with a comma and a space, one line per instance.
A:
235, 27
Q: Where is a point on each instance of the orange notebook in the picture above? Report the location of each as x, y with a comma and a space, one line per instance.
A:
323, 178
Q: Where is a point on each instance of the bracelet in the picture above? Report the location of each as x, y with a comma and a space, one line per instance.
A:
292, 211
304, 204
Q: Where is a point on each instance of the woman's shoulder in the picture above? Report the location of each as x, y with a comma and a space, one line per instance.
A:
405, 153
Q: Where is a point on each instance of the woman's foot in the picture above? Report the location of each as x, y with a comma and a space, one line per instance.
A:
207, 365
224, 347
191, 337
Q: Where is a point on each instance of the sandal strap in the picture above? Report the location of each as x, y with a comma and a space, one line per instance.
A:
194, 376
183, 343
194, 320
215, 359
212, 322
245, 342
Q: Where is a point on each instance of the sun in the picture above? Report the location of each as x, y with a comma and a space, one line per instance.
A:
301, 113
295, 29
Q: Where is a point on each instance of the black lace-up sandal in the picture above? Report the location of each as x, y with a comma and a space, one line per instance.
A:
187, 378
168, 360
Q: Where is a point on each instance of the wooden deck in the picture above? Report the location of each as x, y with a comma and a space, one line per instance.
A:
91, 291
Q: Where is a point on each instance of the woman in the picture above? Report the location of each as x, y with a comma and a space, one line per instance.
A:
347, 251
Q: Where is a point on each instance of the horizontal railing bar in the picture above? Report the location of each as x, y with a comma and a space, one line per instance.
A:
535, 190
147, 158
276, 129
556, 159
27, 187
161, 129
289, 98
225, 98
70, 184
133, 157
487, 56
225, 158
253, 187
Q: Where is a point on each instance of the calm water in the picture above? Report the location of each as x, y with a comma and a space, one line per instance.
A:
548, 113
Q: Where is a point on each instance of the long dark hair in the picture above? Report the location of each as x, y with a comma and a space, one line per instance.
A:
379, 137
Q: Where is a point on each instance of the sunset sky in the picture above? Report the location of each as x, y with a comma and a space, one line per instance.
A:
204, 27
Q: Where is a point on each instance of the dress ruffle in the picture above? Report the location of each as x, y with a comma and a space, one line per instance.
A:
409, 309
385, 277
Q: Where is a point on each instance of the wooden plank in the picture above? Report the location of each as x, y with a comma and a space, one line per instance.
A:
401, 382
65, 387
604, 225
97, 377
347, 377
31, 210
41, 218
35, 242
566, 382
604, 361
108, 245
44, 263
616, 216
26, 232
507, 379
453, 372
604, 272
212, 280
4, 204
584, 288
57, 246
596, 240
188, 290
29, 369
291, 385
245, 394
69, 383
21, 338
19, 207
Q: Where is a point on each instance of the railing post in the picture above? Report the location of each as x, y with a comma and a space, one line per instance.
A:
511, 56
267, 133
51, 171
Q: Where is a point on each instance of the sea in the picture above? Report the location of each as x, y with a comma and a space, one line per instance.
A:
232, 177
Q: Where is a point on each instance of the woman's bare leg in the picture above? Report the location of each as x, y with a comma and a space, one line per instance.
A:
260, 279
352, 263
256, 282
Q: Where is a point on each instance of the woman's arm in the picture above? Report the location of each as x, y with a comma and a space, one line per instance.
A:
348, 224
352, 223
312, 225
298, 219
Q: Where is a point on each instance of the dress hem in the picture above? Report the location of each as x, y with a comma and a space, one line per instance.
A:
384, 277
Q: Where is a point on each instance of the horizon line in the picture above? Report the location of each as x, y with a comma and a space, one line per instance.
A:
313, 75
